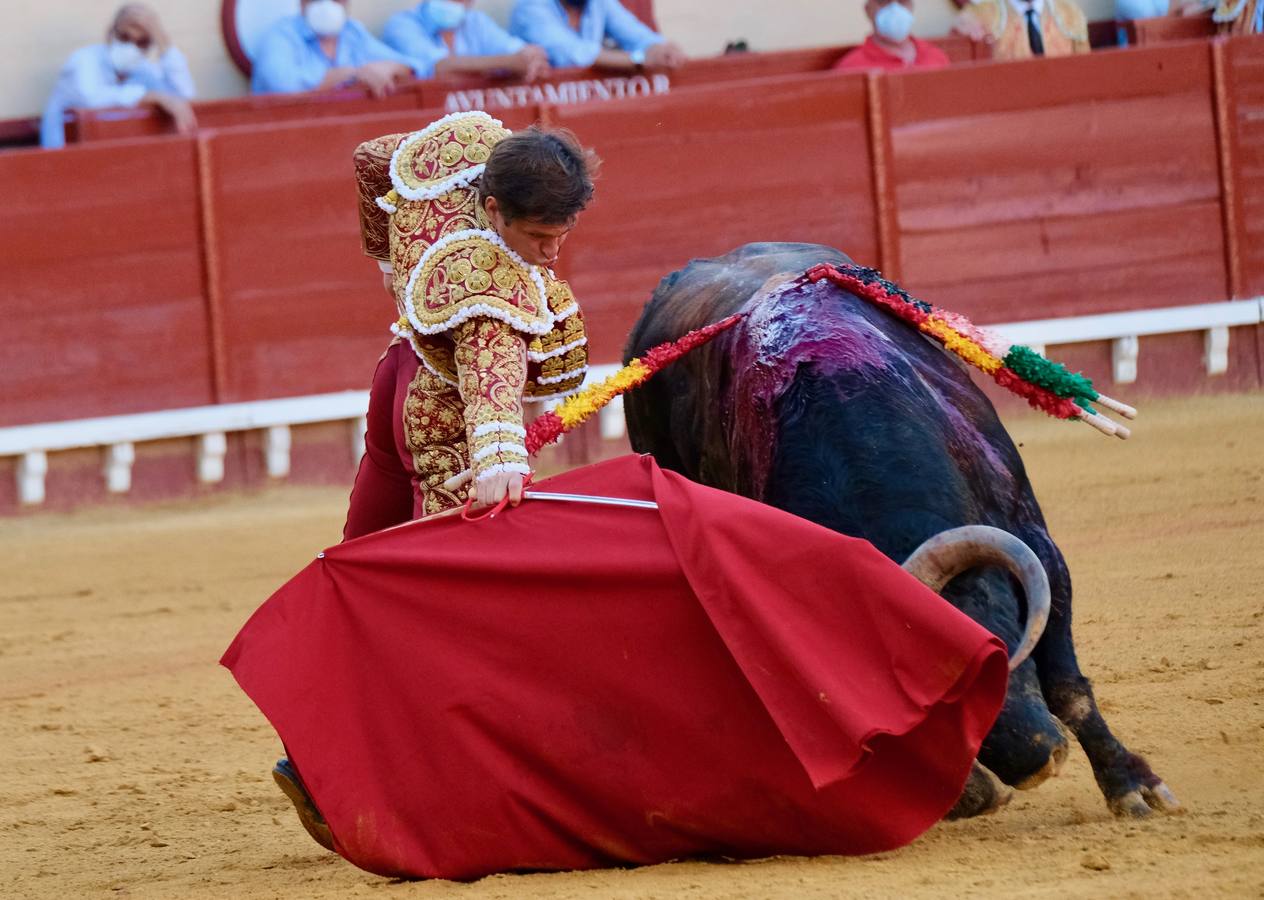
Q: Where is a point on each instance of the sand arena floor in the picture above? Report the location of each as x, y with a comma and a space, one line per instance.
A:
132, 765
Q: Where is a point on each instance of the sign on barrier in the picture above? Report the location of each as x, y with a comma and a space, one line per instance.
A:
563, 93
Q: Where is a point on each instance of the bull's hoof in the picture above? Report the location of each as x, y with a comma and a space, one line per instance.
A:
1144, 801
983, 794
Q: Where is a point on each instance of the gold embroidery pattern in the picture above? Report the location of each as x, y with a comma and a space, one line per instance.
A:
373, 179
419, 223
458, 145
560, 294
563, 334
570, 361
462, 277
437, 352
434, 433
455, 146
491, 365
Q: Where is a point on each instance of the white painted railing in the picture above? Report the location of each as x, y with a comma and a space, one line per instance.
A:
1123, 330
209, 424
118, 435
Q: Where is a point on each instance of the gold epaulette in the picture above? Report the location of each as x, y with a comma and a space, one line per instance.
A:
474, 273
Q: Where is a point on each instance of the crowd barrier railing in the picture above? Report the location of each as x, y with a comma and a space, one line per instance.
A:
177, 273
117, 436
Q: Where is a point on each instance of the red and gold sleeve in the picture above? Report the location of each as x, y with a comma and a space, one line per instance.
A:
491, 366
373, 180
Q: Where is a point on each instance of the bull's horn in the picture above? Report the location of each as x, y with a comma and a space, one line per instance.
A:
951, 552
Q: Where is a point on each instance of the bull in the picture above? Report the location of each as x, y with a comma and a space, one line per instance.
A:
832, 409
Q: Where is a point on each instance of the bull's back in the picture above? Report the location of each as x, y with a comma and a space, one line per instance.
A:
708, 290
704, 291
822, 404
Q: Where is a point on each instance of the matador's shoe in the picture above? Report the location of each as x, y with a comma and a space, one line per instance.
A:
286, 777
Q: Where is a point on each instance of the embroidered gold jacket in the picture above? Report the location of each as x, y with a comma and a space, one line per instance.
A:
465, 299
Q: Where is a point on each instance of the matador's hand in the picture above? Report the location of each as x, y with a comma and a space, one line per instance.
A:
491, 491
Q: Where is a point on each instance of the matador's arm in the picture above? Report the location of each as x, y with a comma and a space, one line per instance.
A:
491, 365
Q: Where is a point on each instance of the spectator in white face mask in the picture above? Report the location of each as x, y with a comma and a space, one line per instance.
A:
137, 64
892, 46
322, 48
597, 33
450, 37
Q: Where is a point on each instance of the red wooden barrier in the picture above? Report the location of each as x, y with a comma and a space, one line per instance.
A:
164, 273
1060, 187
1164, 29
700, 172
103, 307
1104, 33
146, 121
473, 93
24, 132
1242, 111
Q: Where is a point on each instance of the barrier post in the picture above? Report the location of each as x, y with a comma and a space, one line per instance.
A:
1225, 110
885, 210
211, 277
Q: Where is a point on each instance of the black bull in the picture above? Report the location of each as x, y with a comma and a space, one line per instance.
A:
830, 408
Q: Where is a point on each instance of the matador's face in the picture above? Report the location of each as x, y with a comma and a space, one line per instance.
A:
538, 243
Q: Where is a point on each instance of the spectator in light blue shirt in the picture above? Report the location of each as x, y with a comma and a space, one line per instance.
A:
322, 48
1140, 9
574, 33
448, 37
122, 72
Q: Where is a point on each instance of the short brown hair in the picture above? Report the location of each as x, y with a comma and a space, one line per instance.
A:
540, 174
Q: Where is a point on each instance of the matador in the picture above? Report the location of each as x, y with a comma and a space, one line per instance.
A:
465, 219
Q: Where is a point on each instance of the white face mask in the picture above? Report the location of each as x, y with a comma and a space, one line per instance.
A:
125, 56
443, 15
325, 17
894, 22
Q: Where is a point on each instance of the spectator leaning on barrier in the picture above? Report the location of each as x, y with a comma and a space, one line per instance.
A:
892, 45
448, 37
323, 48
574, 33
1020, 29
123, 72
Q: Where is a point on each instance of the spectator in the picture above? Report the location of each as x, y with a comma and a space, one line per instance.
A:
123, 72
892, 45
448, 37
322, 48
1126, 10
574, 33
1230, 16
1021, 29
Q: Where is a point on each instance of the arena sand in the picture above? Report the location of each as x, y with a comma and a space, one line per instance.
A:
133, 766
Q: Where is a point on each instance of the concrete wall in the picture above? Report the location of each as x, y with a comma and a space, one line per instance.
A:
39, 36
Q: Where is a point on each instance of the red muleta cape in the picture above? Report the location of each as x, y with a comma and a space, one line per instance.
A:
569, 686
